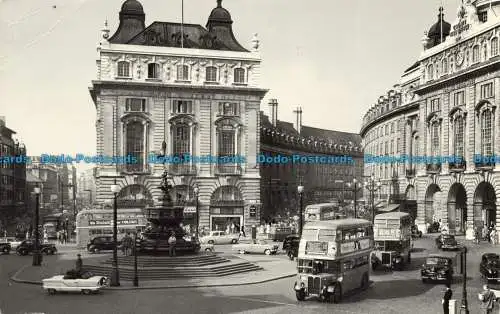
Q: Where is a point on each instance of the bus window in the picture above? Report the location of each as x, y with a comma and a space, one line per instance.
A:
332, 267
326, 235
305, 266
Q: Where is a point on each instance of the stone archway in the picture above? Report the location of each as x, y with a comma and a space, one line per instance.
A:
457, 209
410, 203
134, 195
485, 205
432, 203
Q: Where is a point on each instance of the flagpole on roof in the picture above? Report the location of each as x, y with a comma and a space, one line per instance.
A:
182, 23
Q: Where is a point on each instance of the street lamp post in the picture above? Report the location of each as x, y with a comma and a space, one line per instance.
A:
372, 188
197, 225
37, 257
115, 275
354, 184
464, 308
300, 190
136, 275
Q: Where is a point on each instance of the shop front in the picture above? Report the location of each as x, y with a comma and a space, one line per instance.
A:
226, 210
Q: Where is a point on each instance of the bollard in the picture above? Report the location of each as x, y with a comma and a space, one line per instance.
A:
254, 232
453, 307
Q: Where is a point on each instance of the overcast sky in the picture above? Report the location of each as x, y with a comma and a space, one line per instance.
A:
332, 57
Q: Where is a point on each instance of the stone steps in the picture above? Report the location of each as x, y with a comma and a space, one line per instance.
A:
170, 262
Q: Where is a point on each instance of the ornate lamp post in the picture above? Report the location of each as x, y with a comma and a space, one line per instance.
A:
371, 186
300, 190
37, 257
197, 224
136, 275
464, 308
355, 189
115, 275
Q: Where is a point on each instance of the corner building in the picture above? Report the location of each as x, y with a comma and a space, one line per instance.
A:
449, 101
172, 89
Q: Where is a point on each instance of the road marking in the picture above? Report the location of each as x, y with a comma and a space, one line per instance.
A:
262, 301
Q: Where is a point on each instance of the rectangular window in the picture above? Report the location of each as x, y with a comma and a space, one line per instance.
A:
483, 16
135, 105
123, 69
228, 109
239, 76
153, 71
183, 72
182, 106
435, 105
487, 90
211, 74
459, 98
392, 147
226, 143
392, 127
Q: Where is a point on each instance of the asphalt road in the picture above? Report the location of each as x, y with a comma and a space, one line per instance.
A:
391, 292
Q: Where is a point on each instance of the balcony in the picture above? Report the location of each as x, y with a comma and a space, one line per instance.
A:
410, 173
183, 169
433, 168
228, 169
457, 166
484, 164
134, 168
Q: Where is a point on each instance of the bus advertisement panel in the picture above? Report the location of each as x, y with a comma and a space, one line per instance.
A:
333, 258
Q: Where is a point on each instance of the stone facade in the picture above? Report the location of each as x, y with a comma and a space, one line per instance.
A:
449, 110
212, 94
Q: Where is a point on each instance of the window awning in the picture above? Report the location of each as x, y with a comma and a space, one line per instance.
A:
389, 208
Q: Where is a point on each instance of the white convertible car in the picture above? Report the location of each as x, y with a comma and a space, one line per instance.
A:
87, 283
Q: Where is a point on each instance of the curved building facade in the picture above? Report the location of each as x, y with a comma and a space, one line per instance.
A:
446, 138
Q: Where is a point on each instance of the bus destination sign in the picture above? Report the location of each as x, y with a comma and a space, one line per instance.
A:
316, 248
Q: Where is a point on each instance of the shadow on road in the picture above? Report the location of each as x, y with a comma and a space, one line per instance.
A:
392, 289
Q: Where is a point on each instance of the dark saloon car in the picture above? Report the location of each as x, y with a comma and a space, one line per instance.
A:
447, 242
490, 267
101, 243
437, 268
291, 246
28, 246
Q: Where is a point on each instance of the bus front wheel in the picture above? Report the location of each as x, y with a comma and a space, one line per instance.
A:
300, 295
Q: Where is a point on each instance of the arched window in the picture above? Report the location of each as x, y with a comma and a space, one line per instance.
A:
135, 144
458, 138
239, 76
211, 74
445, 66
435, 139
494, 46
123, 69
183, 72
430, 71
181, 139
153, 71
486, 121
475, 54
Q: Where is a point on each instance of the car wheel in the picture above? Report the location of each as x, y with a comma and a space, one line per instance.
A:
208, 250
48, 252
337, 293
290, 256
51, 291
6, 250
96, 250
300, 295
267, 252
86, 291
234, 241
23, 252
211, 242
241, 251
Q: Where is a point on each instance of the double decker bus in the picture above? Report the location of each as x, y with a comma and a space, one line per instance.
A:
323, 211
392, 234
333, 258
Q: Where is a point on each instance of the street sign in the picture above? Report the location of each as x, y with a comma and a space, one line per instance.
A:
253, 211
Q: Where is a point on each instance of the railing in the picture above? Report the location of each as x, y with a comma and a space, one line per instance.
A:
410, 173
134, 168
484, 165
433, 168
457, 166
182, 169
234, 203
228, 169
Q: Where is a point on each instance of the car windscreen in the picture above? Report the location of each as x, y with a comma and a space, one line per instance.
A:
436, 261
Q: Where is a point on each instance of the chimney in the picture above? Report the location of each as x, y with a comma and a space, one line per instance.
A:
298, 120
273, 111
2, 120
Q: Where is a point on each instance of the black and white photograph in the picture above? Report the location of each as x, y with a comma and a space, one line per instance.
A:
249, 156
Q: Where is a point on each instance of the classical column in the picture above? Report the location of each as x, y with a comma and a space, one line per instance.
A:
191, 126
420, 221
469, 225
145, 146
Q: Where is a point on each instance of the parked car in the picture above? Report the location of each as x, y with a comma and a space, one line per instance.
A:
5, 247
86, 283
415, 233
437, 267
28, 246
447, 242
291, 246
14, 242
490, 267
101, 243
219, 237
256, 246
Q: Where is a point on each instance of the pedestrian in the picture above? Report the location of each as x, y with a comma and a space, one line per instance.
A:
446, 299
79, 264
488, 299
485, 233
242, 231
171, 244
493, 237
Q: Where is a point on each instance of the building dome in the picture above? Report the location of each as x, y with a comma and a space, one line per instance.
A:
434, 33
132, 7
219, 14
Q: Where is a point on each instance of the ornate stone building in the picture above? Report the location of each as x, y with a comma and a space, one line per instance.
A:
174, 89
323, 182
447, 108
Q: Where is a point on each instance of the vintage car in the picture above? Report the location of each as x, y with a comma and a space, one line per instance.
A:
100, 243
415, 233
291, 246
490, 267
85, 282
256, 246
447, 242
437, 268
220, 237
5, 247
28, 246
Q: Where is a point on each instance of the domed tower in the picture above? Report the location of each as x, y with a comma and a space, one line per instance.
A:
132, 20
220, 25
439, 31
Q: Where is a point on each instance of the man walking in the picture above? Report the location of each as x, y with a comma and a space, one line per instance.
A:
172, 240
446, 299
488, 300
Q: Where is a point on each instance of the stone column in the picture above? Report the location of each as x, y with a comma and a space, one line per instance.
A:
420, 221
451, 219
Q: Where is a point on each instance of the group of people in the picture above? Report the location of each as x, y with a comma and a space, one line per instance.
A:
486, 233
487, 298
